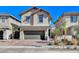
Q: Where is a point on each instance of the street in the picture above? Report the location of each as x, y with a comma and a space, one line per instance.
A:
32, 49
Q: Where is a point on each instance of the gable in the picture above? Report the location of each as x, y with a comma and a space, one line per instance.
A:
41, 11
31, 9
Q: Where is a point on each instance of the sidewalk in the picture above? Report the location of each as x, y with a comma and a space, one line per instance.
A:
42, 46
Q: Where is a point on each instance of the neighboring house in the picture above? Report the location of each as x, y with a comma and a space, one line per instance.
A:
35, 24
7, 25
71, 20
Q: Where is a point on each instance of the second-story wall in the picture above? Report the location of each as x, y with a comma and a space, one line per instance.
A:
36, 19
68, 21
13, 21
33, 15
23, 18
4, 22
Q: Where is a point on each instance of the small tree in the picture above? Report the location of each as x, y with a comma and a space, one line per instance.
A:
57, 31
63, 27
14, 28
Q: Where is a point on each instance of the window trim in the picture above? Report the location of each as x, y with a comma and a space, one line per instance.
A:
28, 19
72, 19
42, 18
3, 18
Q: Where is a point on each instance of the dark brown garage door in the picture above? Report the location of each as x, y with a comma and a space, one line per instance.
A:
34, 35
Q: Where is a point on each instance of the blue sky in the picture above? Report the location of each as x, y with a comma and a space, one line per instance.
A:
55, 11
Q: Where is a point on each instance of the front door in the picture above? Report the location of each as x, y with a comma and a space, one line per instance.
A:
16, 35
1, 35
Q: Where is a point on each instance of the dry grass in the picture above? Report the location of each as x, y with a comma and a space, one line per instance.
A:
74, 42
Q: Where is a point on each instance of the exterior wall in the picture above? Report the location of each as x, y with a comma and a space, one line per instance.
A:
70, 26
22, 35
36, 19
23, 17
47, 34
6, 34
4, 24
12, 21
7, 24
68, 22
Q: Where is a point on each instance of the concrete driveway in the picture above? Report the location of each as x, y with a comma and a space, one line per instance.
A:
28, 42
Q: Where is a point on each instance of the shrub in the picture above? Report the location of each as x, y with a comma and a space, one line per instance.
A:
57, 42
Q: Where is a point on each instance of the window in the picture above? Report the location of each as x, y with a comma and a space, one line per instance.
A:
73, 19
41, 18
27, 19
3, 18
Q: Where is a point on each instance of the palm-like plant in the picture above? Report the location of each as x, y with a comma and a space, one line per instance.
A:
57, 31
63, 27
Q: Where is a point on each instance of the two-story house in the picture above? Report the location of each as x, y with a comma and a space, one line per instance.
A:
71, 20
8, 23
35, 24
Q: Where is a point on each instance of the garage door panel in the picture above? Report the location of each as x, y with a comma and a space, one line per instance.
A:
33, 34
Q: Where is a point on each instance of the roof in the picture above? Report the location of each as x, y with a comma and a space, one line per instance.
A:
68, 14
39, 10
4, 14
28, 10
36, 11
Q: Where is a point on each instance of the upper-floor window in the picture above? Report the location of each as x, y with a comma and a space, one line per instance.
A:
3, 18
73, 19
27, 19
40, 18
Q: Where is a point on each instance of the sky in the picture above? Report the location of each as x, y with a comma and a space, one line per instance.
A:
55, 11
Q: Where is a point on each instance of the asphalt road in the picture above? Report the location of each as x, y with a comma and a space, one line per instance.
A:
23, 49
